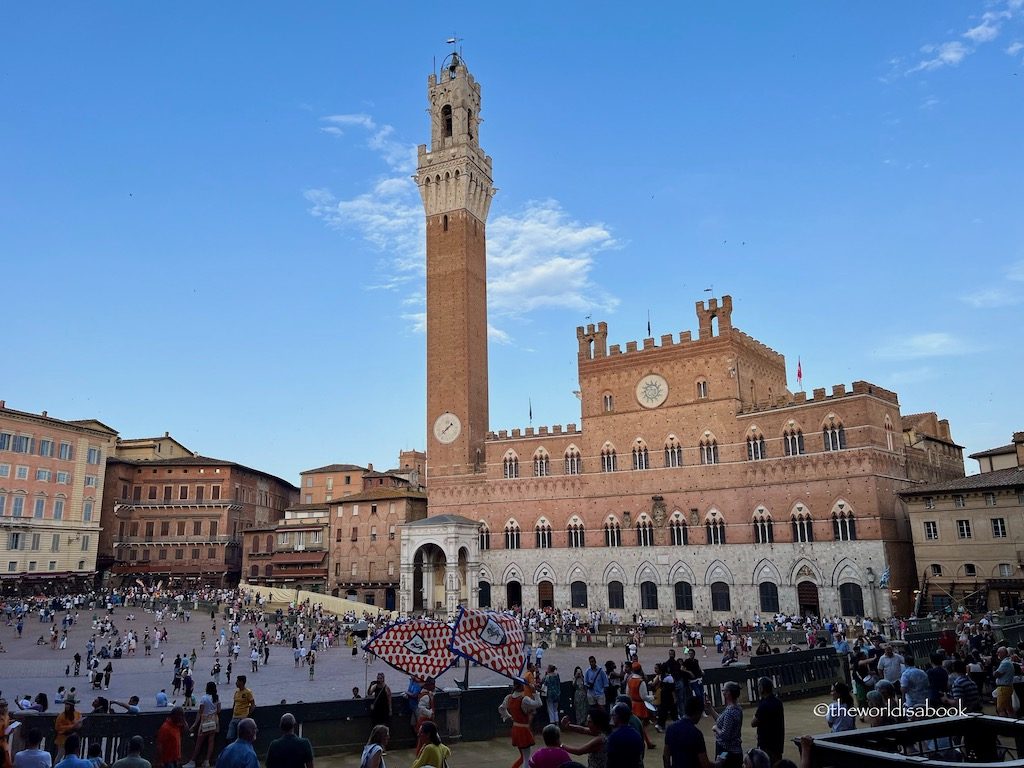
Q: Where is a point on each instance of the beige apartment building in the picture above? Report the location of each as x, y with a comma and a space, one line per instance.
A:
324, 484
51, 486
969, 534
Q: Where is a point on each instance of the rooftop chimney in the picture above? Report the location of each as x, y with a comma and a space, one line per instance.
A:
369, 467
1018, 442
44, 413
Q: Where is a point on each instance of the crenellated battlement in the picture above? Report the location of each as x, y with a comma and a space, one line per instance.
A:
821, 395
539, 432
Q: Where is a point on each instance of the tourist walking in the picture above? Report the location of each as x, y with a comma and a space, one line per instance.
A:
552, 688
596, 680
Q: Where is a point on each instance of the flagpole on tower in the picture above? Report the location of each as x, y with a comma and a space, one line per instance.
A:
799, 374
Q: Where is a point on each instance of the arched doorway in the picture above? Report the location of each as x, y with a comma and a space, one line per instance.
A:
513, 594
389, 599
428, 578
485, 594
807, 598
546, 594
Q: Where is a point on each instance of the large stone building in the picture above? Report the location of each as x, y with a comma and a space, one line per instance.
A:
695, 484
347, 545
181, 519
51, 486
968, 534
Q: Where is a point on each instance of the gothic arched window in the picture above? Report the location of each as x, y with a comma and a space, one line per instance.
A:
573, 465
541, 463
609, 461
612, 534
793, 441
576, 535
756, 449
644, 533
834, 435
764, 527
512, 536
803, 527
510, 466
673, 452
641, 459
709, 451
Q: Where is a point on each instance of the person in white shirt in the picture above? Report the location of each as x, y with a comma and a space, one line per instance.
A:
32, 756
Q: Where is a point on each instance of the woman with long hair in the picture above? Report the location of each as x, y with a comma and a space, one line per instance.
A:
579, 696
373, 752
434, 753
206, 727
840, 714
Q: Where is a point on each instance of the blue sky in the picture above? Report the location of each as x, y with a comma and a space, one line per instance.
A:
207, 225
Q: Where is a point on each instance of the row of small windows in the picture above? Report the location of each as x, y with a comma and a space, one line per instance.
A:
45, 447
851, 596
608, 400
964, 529
134, 555
20, 505
844, 528
1003, 570
834, 439
33, 541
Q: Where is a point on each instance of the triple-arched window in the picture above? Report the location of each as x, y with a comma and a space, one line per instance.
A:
764, 527
612, 534
510, 466
709, 451
609, 462
803, 525
673, 452
485, 537
677, 529
834, 435
641, 458
573, 464
543, 533
793, 441
512, 535
644, 533
756, 449
576, 534
844, 526
714, 527
541, 463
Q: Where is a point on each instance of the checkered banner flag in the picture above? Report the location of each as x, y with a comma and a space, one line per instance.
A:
419, 647
493, 640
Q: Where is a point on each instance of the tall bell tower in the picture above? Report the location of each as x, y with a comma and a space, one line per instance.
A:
454, 177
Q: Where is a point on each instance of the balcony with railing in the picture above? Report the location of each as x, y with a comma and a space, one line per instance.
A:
197, 540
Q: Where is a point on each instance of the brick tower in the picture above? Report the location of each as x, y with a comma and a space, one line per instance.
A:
454, 177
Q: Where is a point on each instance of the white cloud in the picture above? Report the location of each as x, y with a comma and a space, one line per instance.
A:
930, 102
943, 55
923, 345
953, 52
497, 335
992, 298
417, 321
538, 257
988, 30
1000, 295
1014, 48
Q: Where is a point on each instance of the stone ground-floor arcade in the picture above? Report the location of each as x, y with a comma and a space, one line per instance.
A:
445, 569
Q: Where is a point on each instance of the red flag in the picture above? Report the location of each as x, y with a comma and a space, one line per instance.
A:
493, 640
416, 647
799, 373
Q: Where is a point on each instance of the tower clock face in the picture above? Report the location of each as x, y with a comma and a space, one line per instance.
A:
447, 428
651, 391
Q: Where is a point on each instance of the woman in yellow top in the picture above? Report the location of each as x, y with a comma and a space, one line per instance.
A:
433, 753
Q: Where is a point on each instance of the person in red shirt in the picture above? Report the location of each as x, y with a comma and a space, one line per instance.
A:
168, 739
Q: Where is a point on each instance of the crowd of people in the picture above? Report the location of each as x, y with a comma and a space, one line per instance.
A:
615, 705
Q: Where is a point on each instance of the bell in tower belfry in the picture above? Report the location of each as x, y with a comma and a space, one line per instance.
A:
454, 179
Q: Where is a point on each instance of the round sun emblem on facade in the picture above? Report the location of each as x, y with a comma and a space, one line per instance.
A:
651, 391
